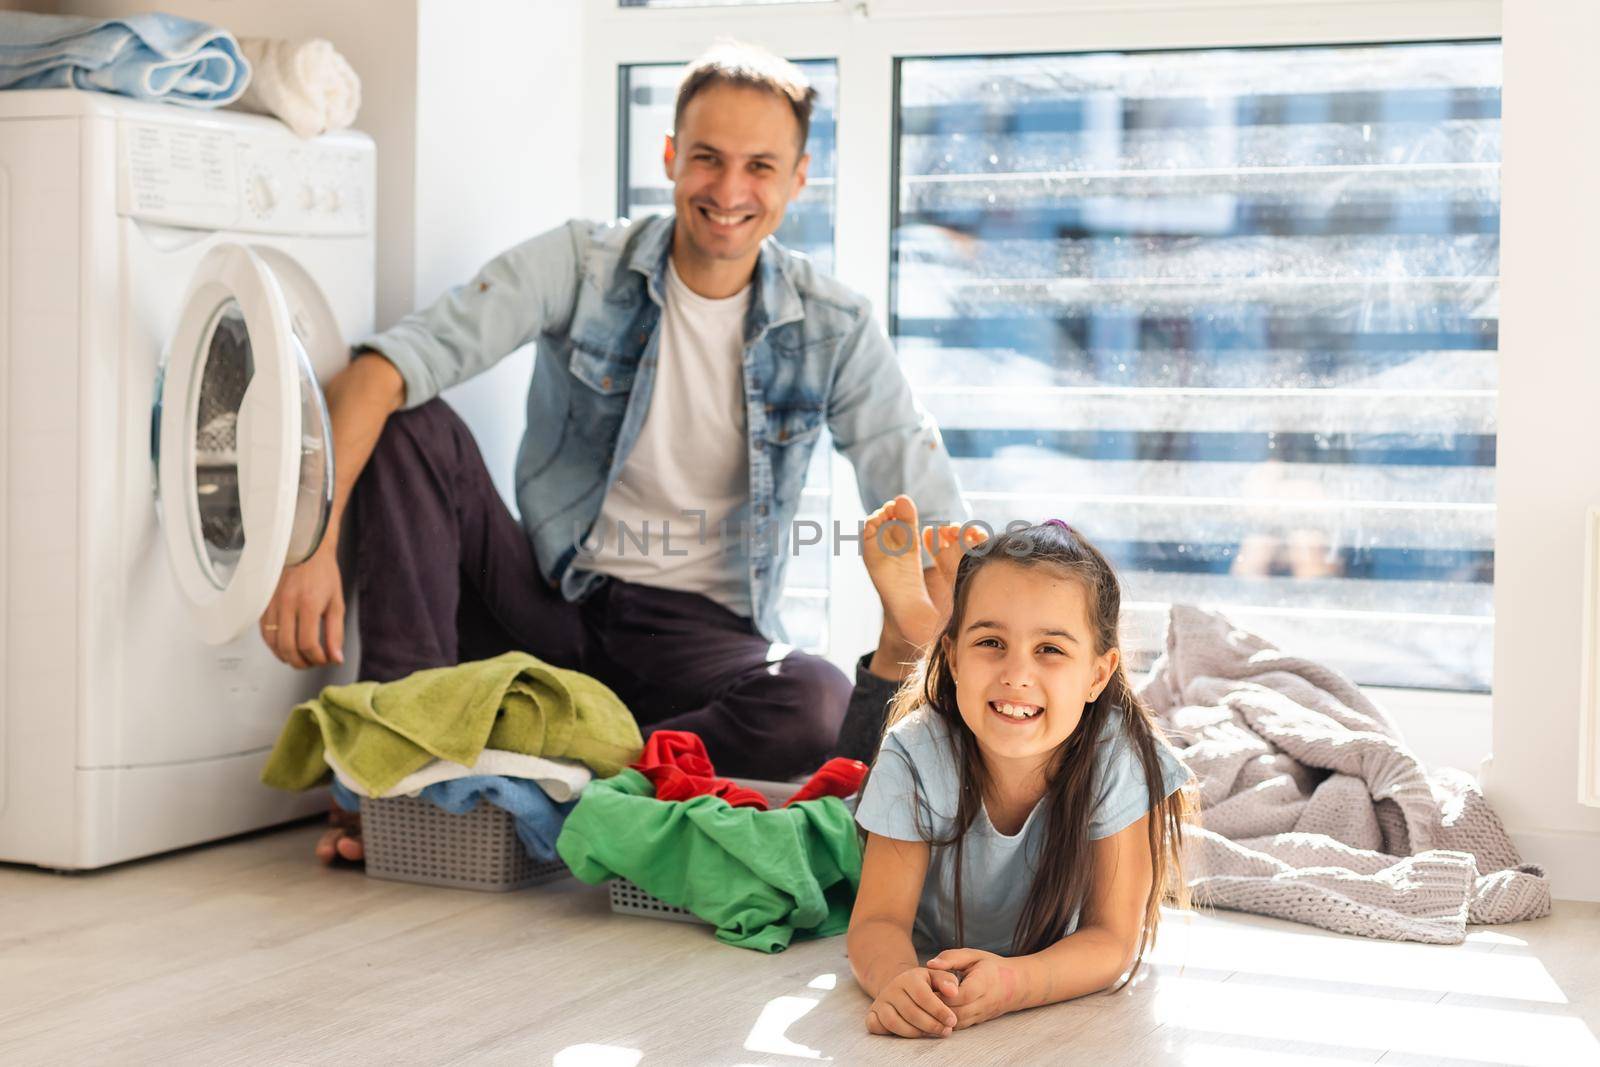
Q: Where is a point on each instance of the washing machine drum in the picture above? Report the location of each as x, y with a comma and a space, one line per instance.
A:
242, 443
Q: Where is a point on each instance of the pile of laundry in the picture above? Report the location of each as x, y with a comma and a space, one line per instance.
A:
513, 731
763, 877
561, 753
165, 58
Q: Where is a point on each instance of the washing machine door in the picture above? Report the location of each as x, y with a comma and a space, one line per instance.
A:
244, 454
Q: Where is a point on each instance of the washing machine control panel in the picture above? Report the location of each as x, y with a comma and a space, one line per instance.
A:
214, 174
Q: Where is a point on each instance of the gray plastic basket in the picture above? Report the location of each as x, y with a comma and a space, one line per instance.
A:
408, 839
628, 899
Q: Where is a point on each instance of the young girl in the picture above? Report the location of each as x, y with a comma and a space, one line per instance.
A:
1023, 814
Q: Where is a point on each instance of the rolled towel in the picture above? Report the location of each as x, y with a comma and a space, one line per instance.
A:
150, 56
307, 84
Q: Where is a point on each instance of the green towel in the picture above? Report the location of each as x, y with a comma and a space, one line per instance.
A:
762, 878
382, 731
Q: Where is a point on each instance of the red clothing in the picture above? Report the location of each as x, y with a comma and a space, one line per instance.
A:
839, 777
676, 763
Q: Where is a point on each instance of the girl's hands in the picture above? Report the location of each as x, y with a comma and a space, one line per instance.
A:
990, 985
913, 1004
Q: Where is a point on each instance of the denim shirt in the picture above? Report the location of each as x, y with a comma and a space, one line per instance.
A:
590, 296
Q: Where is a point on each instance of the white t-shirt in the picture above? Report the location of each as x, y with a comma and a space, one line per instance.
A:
690, 455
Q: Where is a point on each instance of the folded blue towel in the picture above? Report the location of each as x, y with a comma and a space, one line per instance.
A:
538, 818
150, 56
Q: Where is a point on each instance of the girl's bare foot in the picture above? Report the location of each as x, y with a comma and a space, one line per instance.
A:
889, 545
342, 839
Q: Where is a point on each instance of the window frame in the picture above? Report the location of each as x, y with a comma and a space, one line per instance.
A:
868, 38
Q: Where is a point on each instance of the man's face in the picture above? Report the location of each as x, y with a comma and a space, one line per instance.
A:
735, 166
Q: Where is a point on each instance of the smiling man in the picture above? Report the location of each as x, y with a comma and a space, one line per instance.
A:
686, 366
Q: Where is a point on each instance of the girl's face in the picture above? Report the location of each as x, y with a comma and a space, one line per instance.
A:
1024, 662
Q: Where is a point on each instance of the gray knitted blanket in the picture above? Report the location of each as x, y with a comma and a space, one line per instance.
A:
1312, 807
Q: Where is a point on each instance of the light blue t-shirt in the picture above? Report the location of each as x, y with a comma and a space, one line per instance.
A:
917, 768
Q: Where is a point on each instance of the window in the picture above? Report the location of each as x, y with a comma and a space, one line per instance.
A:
650, 92
1234, 313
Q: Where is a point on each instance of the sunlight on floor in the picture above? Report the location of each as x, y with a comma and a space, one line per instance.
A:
1493, 937
597, 1056
1228, 1056
1228, 991
780, 1014
1326, 959
1376, 1023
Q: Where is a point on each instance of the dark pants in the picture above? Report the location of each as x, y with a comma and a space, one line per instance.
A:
864, 716
445, 574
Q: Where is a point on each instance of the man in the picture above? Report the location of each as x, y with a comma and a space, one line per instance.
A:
685, 367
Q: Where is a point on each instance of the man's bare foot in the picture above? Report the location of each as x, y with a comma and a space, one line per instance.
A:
895, 656
342, 839
889, 547
944, 545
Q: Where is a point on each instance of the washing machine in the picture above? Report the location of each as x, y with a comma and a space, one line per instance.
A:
175, 287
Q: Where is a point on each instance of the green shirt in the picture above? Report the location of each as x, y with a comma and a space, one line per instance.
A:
762, 878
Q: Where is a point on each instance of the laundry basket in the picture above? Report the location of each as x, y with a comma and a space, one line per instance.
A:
408, 839
628, 899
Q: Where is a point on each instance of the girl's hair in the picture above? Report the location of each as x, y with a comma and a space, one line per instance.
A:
1062, 883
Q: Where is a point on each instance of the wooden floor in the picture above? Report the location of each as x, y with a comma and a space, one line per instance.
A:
249, 952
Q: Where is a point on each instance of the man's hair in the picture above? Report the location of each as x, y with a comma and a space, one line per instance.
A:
749, 67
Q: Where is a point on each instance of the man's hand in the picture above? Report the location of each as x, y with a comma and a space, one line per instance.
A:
304, 622
910, 1005
990, 984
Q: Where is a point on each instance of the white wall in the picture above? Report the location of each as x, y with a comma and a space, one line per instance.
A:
497, 162
1549, 439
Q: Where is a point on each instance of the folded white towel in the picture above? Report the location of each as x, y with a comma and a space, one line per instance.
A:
562, 780
307, 84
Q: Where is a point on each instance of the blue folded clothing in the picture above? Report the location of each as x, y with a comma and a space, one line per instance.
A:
150, 56
538, 818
